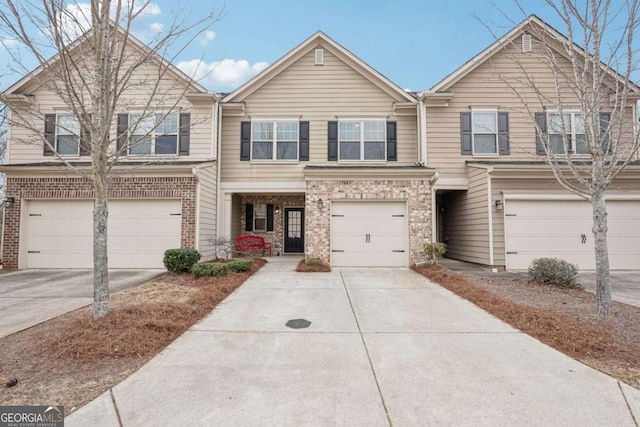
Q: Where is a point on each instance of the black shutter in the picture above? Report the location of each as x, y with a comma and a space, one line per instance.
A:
49, 133
392, 142
184, 135
245, 141
248, 217
605, 118
541, 128
123, 127
332, 148
465, 132
503, 132
85, 139
304, 141
269, 217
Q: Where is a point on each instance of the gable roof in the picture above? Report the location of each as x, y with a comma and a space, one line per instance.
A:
486, 54
175, 71
305, 47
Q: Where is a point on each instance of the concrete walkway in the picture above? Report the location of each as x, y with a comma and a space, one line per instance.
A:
385, 347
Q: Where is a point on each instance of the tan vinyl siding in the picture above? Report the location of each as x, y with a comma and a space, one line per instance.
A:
536, 186
207, 210
466, 221
486, 87
26, 146
315, 94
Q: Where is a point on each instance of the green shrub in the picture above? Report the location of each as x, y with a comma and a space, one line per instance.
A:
240, 265
209, 269
180, 260
434, 251
314, 261
554, 271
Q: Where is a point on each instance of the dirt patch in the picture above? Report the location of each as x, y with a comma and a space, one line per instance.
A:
303, 267
564, 319
72, 359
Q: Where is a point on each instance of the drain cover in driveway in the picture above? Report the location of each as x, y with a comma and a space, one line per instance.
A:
298, 324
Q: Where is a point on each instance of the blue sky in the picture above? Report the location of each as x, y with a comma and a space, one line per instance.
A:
414, 43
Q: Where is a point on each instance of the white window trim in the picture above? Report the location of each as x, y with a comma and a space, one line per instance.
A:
153, 135
255, 216
274, 141
473, 134
572, 112
55, 140
362, 121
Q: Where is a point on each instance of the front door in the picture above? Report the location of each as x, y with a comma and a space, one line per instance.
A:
294, 230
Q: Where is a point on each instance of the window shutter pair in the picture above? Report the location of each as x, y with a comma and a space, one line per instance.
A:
245, 141
332, 141
466, 133
248, 217
50, 136
541, 130
184, 132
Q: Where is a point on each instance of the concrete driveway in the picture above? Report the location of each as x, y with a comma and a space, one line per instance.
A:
384, 347
625, 285
29, 297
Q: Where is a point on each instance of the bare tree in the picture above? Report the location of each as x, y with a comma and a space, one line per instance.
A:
95, 63
588, 132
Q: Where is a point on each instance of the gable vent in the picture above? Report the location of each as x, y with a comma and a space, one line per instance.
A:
526, 43
319, 58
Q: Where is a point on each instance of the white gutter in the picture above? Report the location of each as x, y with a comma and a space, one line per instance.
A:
434, 207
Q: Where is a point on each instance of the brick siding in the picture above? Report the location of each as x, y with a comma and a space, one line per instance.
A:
183, 188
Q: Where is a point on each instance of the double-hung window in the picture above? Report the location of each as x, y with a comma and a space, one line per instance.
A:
67, 139
566, 133
485, 132
274, 140
153, 134
362, 140
260, 217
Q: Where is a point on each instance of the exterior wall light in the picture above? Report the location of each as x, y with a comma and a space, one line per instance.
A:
320, 204
9, 202
499, 205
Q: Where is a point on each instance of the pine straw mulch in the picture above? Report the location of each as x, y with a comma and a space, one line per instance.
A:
72, 359
564, 319
303, 267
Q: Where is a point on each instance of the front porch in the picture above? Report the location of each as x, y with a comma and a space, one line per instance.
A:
277, 218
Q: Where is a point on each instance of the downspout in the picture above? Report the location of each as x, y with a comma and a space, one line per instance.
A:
490, 204
434, 208
196, 241
218, 150
422, 114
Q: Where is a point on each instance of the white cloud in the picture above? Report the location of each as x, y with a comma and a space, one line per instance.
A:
225, 74
152, 9
206, 37
9, 42
156, 27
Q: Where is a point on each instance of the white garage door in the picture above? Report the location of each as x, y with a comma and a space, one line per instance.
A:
59, 233
369, 234
562, 229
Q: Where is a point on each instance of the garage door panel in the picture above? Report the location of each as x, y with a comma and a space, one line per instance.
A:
59, 234
365, 234
555, 228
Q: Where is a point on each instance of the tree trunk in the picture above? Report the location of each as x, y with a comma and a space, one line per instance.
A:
100, 254
603, 288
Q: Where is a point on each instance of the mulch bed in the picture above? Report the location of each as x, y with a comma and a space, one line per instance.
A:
72, 359
564, 319
303, 267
